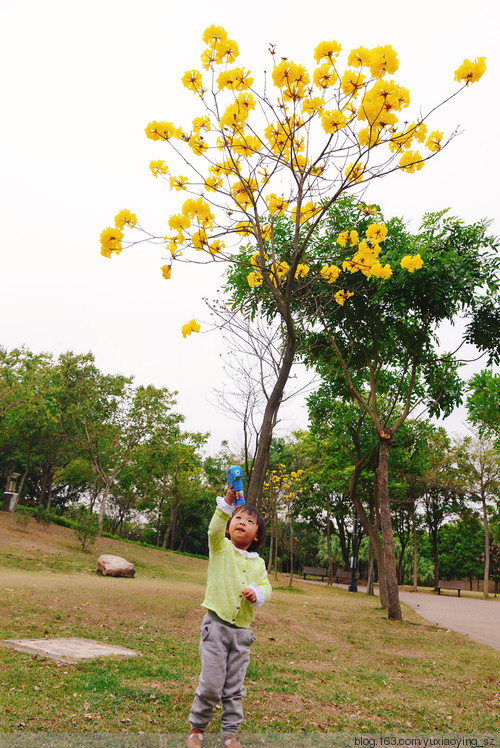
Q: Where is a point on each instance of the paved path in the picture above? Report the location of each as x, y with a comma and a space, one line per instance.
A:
474, 617
480, 619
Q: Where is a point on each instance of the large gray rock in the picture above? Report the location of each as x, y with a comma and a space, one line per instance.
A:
114, 566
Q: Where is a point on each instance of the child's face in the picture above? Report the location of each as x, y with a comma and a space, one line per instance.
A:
243, 529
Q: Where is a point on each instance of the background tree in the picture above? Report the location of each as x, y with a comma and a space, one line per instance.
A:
110, 419
478, 464
383, 340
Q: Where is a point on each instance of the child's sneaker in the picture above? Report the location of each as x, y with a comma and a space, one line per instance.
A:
231, 741
194, 739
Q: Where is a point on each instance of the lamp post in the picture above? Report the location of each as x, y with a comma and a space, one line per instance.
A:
353, 586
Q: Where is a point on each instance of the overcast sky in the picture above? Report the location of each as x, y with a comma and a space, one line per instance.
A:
80, 83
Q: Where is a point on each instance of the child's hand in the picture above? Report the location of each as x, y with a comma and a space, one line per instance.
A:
249, 595
230, 496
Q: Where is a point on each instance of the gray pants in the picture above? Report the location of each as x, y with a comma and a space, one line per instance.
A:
224, 654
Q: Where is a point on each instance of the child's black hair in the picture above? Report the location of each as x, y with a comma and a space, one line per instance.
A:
261, 526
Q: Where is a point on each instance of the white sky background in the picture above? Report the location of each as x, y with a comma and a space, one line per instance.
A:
80, 83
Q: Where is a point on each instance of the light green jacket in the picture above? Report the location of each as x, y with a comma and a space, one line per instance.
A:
230, 571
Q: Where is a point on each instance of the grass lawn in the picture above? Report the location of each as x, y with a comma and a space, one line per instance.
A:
325, 660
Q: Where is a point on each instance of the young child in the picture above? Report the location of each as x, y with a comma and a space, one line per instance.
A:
237, 583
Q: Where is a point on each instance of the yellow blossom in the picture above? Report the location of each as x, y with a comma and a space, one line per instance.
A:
178, 183
201, 123
216, 246
254, 279
246, 146
369, 136
236, 79
226, 50
243, 192
330, 273
125, 218
342, 296
162, 131
214, 34
200, 240
309, 106
198, 208
376, 233
213, 183
383, 60
410, 161
190, 327
197, 144
277, 205
111, 241
244, 228
166, 271
158, 167
355, 172
179, 222
360, 57
302, 270
307, 211
352, 82
255, 259
332, 121
324, 76
434, 141
266, 233
470, 72
193, 80
381, 272
327, 50
412, 262
347, 237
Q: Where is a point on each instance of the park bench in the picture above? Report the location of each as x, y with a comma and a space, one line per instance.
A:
314, 571
344, 577
444, 585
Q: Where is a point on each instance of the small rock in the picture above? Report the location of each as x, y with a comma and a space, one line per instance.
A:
114, 566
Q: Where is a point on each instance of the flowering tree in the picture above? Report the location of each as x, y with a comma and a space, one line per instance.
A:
291, 150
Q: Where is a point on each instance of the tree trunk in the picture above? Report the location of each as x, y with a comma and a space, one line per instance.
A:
271, 544
486, 582
254, 492
328, 541
290, 583
414, 531
393, 605
371, 529
102, 509
371, 557
158, 524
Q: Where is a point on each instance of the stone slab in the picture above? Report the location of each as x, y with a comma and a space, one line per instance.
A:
69, 650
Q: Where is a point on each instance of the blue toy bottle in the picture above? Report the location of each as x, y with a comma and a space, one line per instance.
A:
235, 479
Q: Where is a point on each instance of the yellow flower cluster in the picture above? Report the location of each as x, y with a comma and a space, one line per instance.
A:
412, 262
162, 131
330, 273
365, 258
111, 238
219, 49
342, 296
307, 211
111, 241
190, 327
277, 205
236, 79
158, 167
470, 72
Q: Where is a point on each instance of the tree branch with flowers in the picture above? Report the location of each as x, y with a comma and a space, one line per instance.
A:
255, 157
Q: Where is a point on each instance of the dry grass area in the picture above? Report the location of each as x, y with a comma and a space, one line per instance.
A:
324, 661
